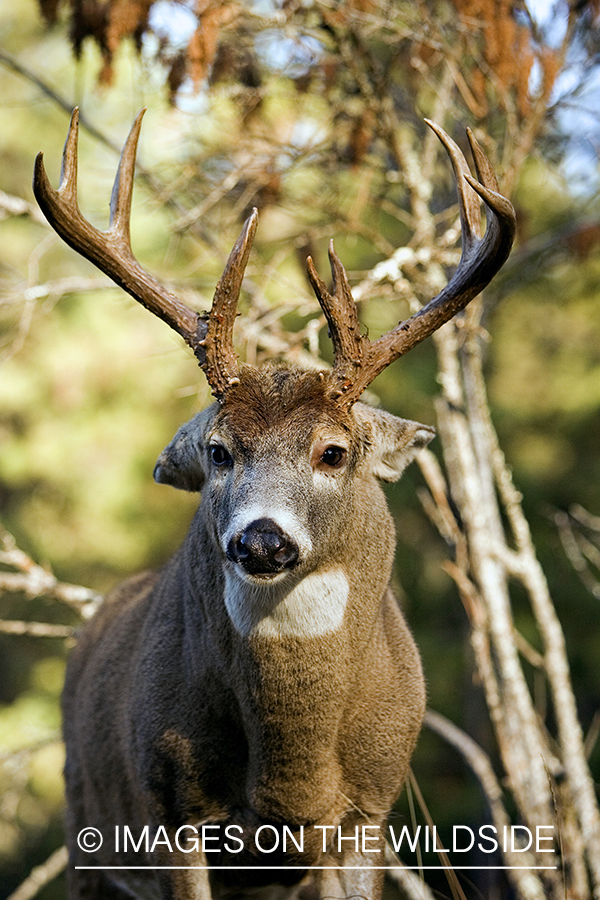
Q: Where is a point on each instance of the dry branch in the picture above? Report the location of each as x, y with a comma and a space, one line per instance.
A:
526, 884
36, 629
11, 756
409, 882
16, 206
40, 876
582, 553
34, 580
549, 781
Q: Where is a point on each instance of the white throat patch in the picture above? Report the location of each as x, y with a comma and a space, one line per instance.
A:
311, 607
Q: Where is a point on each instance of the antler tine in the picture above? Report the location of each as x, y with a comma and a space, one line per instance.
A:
468, 202
216, 353
68, 169
483, 166
357, 360
110, 250
342, 318
120, 199
481, 257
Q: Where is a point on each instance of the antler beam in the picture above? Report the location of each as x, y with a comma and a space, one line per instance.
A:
357, 360
208, 334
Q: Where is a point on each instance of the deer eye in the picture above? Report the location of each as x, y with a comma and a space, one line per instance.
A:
219, 455
333, 457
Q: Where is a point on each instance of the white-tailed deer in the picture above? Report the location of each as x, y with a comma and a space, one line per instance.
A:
256, 701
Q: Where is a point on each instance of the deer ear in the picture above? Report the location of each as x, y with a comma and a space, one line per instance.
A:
181, 464
393, 442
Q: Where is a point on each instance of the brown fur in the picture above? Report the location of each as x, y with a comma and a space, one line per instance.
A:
174, 714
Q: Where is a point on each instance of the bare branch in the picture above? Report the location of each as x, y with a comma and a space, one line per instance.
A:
573, 758
41, 876
24, 752
526, 883
36, 629
413, 887
36, 581
581, 552
453, 883
16, 206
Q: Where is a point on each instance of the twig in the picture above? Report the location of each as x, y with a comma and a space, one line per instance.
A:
16, 206
22, 752
34, 580
60, 287
578, 549
155, 186
36, 629
585, 518
413, 887
526, 883
41, 875
453, 882
14, 64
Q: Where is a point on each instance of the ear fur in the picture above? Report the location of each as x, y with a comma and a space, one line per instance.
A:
394, 442
181, 464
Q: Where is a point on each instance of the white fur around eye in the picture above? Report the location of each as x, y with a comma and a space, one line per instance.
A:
327, 481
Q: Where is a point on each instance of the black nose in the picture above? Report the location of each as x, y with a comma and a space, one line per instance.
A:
263, 548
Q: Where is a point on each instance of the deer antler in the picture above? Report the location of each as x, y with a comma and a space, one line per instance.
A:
209, 334
357, 360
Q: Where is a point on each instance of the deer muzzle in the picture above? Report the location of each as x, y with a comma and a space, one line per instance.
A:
263, 548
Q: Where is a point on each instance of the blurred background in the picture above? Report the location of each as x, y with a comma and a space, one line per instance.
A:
313, 112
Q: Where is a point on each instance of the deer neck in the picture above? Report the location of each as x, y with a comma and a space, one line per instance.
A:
293, 652
293, 700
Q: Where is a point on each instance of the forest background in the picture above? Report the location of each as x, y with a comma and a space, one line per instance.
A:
313, 112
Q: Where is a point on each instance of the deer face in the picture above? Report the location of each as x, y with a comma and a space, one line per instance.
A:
283, 469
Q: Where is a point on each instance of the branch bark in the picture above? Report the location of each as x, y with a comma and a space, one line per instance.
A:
42, 875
